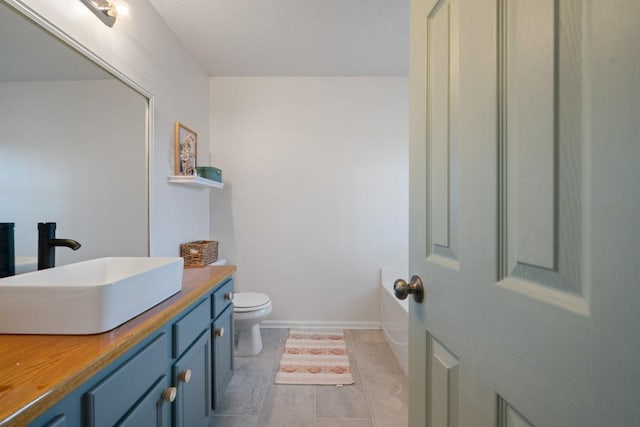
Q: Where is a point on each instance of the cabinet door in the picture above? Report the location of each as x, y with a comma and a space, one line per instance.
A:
222, 353
57, 421
191, 375
113, 397
153, 409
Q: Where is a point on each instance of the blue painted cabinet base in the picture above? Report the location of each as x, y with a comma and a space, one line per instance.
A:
135, 389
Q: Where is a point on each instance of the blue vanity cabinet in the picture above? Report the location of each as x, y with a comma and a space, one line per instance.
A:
222, 339
173, 377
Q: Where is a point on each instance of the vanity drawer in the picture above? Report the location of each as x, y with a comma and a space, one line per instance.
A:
222, 297
189, 327
107, 402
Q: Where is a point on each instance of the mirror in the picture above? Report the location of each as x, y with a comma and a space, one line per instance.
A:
73, 147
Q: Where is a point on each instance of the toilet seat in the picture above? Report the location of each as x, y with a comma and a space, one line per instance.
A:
244, 302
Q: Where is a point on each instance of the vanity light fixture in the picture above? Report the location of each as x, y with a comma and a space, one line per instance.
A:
107, 10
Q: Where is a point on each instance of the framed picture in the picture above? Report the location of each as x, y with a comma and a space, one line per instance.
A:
186, 149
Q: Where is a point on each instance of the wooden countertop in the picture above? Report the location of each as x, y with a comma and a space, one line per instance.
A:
37, 371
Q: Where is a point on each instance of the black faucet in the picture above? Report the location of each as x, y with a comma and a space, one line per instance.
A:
7, 255
47, 243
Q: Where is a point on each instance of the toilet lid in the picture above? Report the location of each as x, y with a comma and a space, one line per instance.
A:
244, 301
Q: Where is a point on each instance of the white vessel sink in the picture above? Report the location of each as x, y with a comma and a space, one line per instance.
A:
87, 297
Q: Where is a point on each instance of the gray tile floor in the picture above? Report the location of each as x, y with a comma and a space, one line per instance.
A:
377, 399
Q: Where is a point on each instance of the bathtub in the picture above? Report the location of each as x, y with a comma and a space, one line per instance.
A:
395, 317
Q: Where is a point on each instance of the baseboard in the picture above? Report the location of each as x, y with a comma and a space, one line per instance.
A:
312, 324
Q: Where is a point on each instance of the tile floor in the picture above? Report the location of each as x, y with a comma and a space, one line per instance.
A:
377, 399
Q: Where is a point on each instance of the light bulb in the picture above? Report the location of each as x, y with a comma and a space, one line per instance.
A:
122, 9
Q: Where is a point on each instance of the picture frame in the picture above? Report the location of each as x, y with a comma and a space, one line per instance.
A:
185, 150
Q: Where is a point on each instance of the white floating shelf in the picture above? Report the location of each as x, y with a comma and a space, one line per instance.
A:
194, 181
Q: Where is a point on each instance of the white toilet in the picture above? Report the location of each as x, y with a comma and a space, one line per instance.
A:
249, 309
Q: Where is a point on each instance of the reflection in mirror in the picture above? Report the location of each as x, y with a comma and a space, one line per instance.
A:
73, 147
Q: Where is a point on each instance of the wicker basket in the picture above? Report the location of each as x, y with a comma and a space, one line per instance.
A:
199, 253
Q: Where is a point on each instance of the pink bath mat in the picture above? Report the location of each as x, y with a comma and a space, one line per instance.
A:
315, 357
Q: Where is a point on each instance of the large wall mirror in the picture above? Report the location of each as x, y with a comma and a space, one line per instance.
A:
73, 147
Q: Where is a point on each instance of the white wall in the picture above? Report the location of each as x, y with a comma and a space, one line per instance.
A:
60, 163
145, 50
316, 190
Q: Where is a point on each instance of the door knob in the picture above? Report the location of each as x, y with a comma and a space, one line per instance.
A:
402, 289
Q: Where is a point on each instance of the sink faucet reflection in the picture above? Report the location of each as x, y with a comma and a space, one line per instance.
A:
47, 243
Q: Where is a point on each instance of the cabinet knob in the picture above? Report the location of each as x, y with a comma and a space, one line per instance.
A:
228, 296
185, 376
170, 394
219, 332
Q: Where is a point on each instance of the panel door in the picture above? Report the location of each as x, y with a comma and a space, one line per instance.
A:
222, 333
152, 410
57, 421
525, 212
192, 377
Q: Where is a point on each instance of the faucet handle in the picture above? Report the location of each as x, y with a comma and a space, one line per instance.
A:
47, 227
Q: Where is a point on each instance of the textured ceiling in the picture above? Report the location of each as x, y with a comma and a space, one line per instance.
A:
293, 37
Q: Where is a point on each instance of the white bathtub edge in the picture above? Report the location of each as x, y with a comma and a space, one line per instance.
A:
311, 324
394, 315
